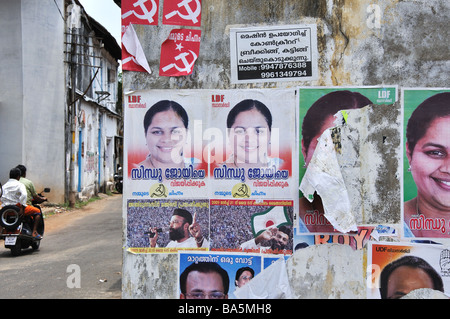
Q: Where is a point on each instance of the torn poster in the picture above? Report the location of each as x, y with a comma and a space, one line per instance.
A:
140, 12
368, 154
133, 56
271, 283
356, 240
368, 160
324, 176
179, 52
182, 12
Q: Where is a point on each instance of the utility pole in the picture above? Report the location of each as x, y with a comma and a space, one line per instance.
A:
72, 38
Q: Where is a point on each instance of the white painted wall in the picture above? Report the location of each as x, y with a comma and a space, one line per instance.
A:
32, 92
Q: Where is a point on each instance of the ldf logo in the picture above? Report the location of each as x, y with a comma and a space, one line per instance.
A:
134, 99
218, 98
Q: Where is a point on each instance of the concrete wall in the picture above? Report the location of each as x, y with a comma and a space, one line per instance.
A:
390, 42
11, 104
32, 93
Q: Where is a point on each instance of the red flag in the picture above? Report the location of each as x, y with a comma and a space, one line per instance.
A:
179, 52
140, 12
182, 12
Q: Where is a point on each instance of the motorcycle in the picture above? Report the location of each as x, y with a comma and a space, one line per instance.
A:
118, 181
18, 228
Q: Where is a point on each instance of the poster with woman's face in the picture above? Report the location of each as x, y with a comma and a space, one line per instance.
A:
317, 107
252, 143
426, 164
164, 145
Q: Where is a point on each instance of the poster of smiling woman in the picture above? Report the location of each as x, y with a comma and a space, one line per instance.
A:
252, 144
426, 162
163, 144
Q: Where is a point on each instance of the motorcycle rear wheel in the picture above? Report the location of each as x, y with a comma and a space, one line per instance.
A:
17, 248
35, 245
10, 217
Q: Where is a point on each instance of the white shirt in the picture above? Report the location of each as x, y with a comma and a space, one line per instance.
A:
188, 243
14, 192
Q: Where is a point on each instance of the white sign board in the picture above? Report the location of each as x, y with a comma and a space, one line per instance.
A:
273, 53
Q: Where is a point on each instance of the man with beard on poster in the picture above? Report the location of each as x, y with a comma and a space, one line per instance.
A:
272, 240
181, 227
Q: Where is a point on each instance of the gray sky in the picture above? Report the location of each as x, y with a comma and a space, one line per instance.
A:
107, 13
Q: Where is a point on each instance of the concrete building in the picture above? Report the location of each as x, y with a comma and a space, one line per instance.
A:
58, 112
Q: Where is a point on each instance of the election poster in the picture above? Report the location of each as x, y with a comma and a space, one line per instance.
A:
356, 240
396, 269
216, 274
426, 169
252, 226
228, 153
252, 143
274, 53
164, 146
317, 109
167, 226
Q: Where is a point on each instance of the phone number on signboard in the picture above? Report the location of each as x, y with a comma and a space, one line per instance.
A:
283, 74
282, 66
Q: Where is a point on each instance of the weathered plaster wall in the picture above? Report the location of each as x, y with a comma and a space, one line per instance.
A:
388, 42
370, 159
359, 42
322, 272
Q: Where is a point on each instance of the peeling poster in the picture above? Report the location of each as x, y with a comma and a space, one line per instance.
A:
318, 108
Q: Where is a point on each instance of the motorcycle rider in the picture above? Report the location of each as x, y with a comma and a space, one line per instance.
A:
31, 191
31, 195
15, 193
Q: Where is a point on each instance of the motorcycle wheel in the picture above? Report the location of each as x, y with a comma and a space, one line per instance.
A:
35, 245
10, 217
40, 228
119, 188
16, 249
